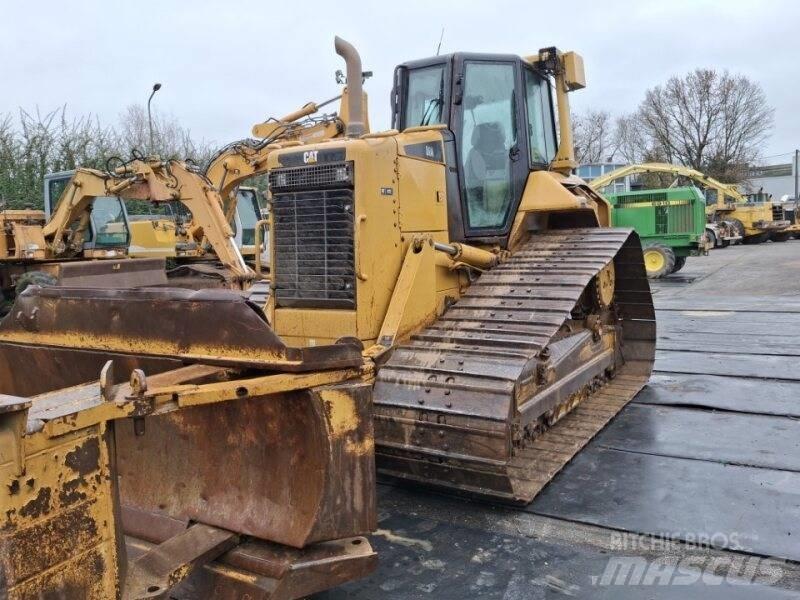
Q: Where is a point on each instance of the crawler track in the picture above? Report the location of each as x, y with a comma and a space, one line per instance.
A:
497, 395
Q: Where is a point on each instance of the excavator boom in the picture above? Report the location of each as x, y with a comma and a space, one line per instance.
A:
749, 221
154, 181
247, 158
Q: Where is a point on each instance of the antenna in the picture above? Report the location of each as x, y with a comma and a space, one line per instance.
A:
439, 46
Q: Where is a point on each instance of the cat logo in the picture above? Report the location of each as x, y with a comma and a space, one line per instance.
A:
310, 157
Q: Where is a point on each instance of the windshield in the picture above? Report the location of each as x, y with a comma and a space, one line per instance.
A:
55, 188
540, 120
108, 222
249, 214
425, 96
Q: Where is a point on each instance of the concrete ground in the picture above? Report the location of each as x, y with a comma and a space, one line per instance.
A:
692, 491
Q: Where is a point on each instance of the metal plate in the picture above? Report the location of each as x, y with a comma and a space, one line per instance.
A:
423, 558
291, 468
726, 393
741, 439
745, 508
741, 365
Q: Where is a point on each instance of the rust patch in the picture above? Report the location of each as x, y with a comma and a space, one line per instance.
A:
38, 506
77, 582
13, 487
85, 458
35, 549
70, 492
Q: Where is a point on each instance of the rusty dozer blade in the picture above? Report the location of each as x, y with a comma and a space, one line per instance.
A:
206, 326
222, 428
189, 462
498, 394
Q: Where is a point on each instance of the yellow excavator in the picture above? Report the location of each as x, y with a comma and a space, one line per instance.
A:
86, 237
499, 321
726, 207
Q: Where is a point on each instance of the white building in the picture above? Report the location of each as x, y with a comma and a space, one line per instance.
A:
589, 171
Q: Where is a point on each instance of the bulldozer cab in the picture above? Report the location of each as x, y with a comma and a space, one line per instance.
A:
498, 110
108, 217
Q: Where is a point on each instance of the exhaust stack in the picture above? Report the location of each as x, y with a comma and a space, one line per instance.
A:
355, 124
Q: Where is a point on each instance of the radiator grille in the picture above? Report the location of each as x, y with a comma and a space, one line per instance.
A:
314, 257
624, 200
677, 217
338, 174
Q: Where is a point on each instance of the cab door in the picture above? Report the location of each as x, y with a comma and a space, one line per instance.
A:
491, 142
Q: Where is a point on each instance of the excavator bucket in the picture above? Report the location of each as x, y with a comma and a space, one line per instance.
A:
228, 462
498, 394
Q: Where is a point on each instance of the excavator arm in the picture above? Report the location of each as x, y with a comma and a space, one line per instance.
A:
723, 190
151, 180
248, 158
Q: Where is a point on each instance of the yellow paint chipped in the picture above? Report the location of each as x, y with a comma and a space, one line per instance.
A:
342, 414
360, 448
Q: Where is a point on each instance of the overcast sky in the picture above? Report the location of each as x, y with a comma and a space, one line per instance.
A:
225, 65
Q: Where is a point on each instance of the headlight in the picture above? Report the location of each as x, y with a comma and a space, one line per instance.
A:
342, 174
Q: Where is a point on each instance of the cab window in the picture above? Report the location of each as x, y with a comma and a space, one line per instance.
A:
249, 210
55, 190
108, 222
425, 96
488, 135
540, 119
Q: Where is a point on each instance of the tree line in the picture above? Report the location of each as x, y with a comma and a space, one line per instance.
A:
712, 121
34, 143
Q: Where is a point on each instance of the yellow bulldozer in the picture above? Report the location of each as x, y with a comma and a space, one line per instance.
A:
450, 275
726, 207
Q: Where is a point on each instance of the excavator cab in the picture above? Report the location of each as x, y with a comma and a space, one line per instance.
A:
500, 120
108, 222
246, 219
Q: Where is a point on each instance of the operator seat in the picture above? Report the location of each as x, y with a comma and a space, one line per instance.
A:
487, 172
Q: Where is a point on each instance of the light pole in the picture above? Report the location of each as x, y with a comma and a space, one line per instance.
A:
156, 87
